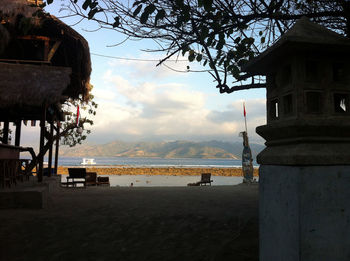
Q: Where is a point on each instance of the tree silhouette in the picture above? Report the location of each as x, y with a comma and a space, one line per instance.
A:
222, 35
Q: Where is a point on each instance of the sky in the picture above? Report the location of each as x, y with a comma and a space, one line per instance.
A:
138, 101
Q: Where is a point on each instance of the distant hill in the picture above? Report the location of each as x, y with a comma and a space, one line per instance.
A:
175, 149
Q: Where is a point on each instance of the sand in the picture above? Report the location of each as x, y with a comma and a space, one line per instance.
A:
136, 223
172, 171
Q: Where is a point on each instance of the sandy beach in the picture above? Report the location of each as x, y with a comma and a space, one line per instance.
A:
115, 223
171, 171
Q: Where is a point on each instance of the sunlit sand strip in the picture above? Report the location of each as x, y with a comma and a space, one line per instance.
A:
169, 171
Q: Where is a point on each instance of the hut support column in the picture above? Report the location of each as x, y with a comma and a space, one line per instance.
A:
42, 140
18, 133
5, 136
57, 145
50, 150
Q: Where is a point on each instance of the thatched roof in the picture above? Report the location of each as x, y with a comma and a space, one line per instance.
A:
74, 52
11, 8
30, 87
16, 18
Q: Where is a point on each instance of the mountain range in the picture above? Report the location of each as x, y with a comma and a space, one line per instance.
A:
173, 149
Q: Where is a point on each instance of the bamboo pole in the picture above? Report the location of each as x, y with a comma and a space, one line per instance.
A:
5, 136
50, 150
18, 133
42, 140
57, 145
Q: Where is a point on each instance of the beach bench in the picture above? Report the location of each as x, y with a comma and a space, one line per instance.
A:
205, 179
91, 178
103, 181
76, 176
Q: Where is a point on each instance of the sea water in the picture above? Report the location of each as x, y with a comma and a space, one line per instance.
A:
153, 162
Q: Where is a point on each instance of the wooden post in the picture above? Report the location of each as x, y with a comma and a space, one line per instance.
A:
50, 149
57, 145
18, 133
5, 137
42, 140
46, 50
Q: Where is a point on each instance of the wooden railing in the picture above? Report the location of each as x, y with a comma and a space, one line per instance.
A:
12, 171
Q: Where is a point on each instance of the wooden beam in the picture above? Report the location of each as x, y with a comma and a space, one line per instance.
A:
5, 134
53, 50
23, 61
18, 133
34, 37
50, 149
57, 145
46, 50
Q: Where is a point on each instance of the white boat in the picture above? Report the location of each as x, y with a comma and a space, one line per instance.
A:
88, 161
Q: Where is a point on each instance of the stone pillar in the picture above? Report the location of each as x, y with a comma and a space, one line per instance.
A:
304, 204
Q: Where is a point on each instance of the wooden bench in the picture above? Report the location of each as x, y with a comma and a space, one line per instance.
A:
205, 179
103, 181
76, 176
91, 178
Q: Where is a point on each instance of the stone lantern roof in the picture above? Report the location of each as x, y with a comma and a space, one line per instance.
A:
303, 36
308, 97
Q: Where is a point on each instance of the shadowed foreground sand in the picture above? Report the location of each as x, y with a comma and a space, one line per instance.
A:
139, 223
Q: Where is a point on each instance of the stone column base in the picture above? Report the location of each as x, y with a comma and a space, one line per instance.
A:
304, 213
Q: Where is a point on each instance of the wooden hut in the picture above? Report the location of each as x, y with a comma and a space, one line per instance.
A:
43, 63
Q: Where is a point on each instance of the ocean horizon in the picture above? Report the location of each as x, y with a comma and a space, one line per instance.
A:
153, 162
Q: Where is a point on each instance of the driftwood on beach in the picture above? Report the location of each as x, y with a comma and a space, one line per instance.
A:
169, 171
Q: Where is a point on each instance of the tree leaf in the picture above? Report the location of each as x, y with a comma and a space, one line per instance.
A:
137, 10
185, 49
93, 4
150, 9
160, 15
92, 12
199, 57
144, 17
86, 4
191, 56
116, 23
204, 32
207, 5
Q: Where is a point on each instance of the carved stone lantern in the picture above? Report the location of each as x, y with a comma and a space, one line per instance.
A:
305, 169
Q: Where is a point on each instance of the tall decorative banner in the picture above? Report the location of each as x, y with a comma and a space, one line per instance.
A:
78, 116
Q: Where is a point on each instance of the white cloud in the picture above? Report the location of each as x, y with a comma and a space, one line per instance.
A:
103, 94
159, 111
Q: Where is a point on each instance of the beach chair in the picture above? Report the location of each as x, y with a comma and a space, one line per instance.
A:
76, 176
91, 178
205, 179
103, 181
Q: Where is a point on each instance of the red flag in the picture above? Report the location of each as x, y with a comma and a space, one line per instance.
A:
78, 116
244, 112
